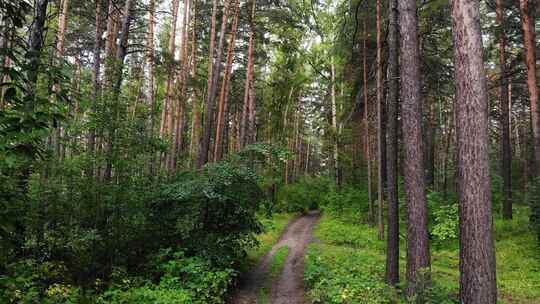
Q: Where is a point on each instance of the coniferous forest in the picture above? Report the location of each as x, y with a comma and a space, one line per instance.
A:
271, 151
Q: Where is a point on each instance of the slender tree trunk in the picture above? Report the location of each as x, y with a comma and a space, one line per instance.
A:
176, 147
366, 123
477, 252
251, 130
196, 116
392, 245
167, 107
418, 258
506, 149
335, 151
381, 134
118, 66
213, 76
150, 62
96, 78
530, 61
223, 97
246, 121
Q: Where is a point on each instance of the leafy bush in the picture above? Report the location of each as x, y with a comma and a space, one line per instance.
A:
444, 217
304, 195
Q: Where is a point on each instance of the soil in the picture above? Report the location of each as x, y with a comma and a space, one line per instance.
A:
288, 287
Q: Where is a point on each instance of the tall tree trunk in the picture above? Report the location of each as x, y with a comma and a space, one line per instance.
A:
528, 24
167, 107
392, 244
530, 61
118, 67
381, 132
213, 78
223, 96
150, 62
196, 116
335, 151
251, 129
176, 147
96, 78
477, 252
246, 121
418, 258
506, 149
367, 147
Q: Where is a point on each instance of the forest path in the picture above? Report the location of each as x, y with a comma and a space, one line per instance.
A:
288, 287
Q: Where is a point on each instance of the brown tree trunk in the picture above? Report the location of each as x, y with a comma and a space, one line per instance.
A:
176, 147
381, 134
223, 96
167, 107
96, 77
118, 66
247, 111
196, 116
150, 61
477, 252
530, 61
213, 76
392, 244
335, 155
251, 130
418, 258
367, 147
506, 149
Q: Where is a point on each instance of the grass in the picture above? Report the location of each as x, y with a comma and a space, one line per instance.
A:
347, 264
273, 228
278, 261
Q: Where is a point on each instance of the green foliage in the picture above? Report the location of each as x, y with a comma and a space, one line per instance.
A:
337, 272
278, 261
304, 195
445, 220
184, 280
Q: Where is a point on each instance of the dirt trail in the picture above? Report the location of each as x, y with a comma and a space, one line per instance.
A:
288, 288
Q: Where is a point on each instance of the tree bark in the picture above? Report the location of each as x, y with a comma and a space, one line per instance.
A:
418, 258
213, 77
335, 151
392, 244
477, 252
367, 147
381, 142
506, 168
96, 77
224, 94
176, 147
167, 107
247, 111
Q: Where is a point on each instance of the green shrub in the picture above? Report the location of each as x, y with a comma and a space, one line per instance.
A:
304, 195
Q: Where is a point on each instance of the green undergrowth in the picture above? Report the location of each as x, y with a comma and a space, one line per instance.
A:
346, 265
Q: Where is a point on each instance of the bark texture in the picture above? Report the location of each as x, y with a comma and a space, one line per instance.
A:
506, 168
477, 254
418, 259
392, 244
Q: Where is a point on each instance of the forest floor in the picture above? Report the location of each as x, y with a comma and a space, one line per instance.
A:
279, 276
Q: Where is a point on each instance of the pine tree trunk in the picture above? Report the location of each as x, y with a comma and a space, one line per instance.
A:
223, 97
477, 252
195, 106
506, 149
381, 132
150, 62
247, 111
392, 247
96, 93
418, 258
213, 76
167, 107
367, 147
176, 147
